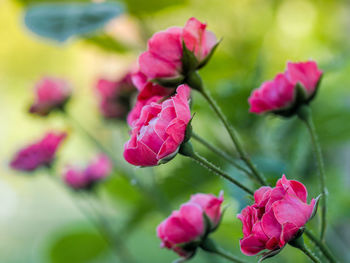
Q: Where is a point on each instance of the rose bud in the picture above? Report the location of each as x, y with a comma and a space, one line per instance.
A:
51, 94
159, 131
184, 230
168, 62
287, 91
87, 178
115, 97
276, 218
38, 154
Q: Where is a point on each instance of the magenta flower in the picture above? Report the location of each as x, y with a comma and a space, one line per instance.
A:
159, 131
184, 230
87, 178
164, 57
276, 216
51, 94
38, 154
287, 91
115, 97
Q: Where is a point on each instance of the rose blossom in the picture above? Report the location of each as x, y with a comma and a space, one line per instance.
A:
96, 171
163, 59
115, 97
158, 133
281, 94
276, 216
188, 225
51, 93
38, 154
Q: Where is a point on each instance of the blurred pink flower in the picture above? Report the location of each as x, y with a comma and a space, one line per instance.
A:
188, 224
96, 171
276, 216
163, 59
38, 154
115, 97
281, 94
51, 93
159, 131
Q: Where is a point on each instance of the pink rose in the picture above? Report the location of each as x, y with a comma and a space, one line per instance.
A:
115, 97
281, 95
51, 94
96, 171
159, 131
276, 216
185, 229
38, 154
163, 59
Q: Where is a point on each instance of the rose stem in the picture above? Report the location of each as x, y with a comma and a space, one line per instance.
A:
242, 154
304, 113
187, 150
221, 153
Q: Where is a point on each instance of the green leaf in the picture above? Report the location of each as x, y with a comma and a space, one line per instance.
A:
78, 246
106, 43
62, 21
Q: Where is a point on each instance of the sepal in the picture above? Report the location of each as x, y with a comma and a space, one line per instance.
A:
169, 82
269, 254
208, 57
189, 60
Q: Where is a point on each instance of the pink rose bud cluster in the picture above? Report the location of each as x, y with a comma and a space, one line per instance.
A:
185, 229
287, 91
115, 97
38, 154
51, 94
159, 131
166, 59
276, 217
85, 179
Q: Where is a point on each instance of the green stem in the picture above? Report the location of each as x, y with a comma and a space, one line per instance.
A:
106, 230
221, 153
210, 246
309, 253
187, 150
299, 243
242, 154
110, 239
305, 115
324, 249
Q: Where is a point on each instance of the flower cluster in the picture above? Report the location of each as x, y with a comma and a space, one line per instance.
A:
159, 118
160, 123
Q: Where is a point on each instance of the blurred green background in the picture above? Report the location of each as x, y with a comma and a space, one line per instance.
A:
39, 220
